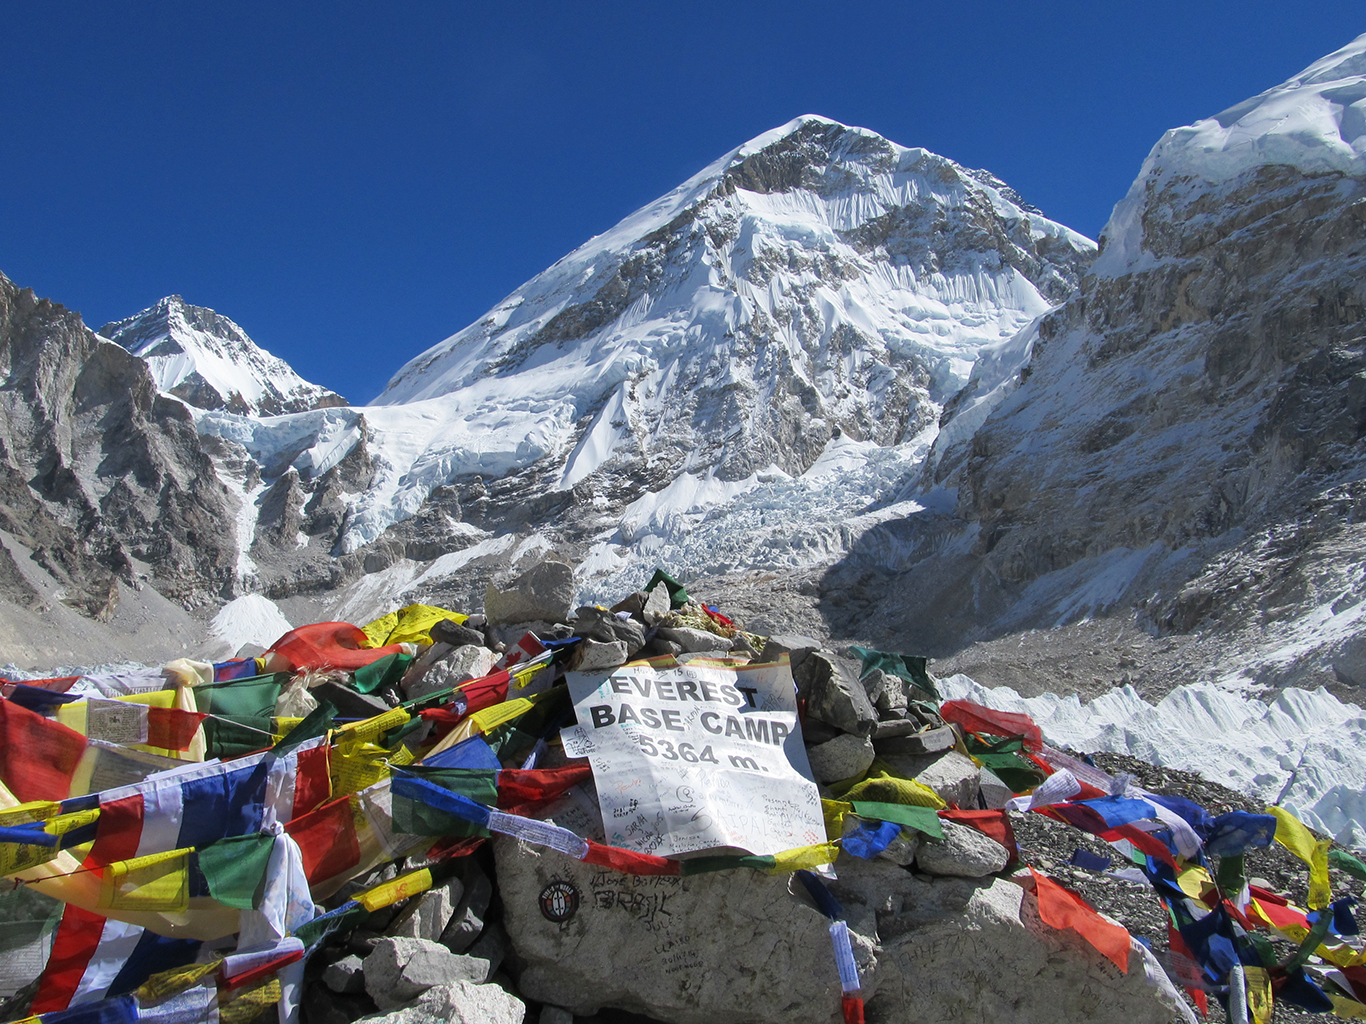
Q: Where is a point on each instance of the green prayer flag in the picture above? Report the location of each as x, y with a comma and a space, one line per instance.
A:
383, 672
1231, 875
1264, 948
313, 932
904, 666
1311, 942
678, 597
253, 697
315, 724
479, 784
229, 736
1344, 861
1002, 757
419, 819
922, 819
235, 869
705, 865
394, 737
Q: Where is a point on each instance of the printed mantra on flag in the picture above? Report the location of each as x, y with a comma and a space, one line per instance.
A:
696, 757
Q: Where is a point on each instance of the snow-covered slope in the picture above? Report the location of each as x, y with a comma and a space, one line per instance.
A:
818, 282
208, 361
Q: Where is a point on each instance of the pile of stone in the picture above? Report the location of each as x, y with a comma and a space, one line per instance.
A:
939, 929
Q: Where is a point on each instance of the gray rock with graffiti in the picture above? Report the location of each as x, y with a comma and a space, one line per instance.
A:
742, 947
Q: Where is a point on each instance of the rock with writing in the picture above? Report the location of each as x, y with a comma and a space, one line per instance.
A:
739, 947
721, 948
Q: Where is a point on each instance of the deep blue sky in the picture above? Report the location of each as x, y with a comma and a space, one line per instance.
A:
354, 182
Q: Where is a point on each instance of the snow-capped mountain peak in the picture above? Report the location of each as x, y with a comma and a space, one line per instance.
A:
1314, 123
206, 360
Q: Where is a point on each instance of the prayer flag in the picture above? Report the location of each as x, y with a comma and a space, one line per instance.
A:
1295, 837
1064, 910
325, 645
975, 718
37, 756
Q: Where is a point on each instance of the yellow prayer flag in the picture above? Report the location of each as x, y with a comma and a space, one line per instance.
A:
1296, 837
883, 785
1194, 880
834, 812
164, 984
500, 714
370, 729
1259, 998
34, 810
400, 888
16, 857
410, 624
1349, 1008
159, 882
804, 857
243, 1007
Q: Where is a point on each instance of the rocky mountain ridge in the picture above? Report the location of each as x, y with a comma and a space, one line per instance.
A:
819, 282
106, 486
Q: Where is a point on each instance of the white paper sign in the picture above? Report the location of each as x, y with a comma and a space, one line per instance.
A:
696, 757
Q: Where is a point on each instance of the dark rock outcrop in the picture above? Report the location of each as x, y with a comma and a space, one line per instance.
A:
102, 480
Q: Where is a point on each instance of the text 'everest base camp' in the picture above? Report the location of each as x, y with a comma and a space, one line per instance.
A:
836, 592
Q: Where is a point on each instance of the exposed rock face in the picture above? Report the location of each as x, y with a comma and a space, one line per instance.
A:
102, 480
1185, 435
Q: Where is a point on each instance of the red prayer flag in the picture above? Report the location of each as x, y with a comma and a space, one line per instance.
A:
629, 862
325, 645
975, 718
485, 691
1063, 909
118, 831
1145, 842
313, 779
263, 971
517, 786
1281, 915
171, 728
59, 684
852, 1007
1178, 945
75, 944
1356, 979
37, 755
327, 840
